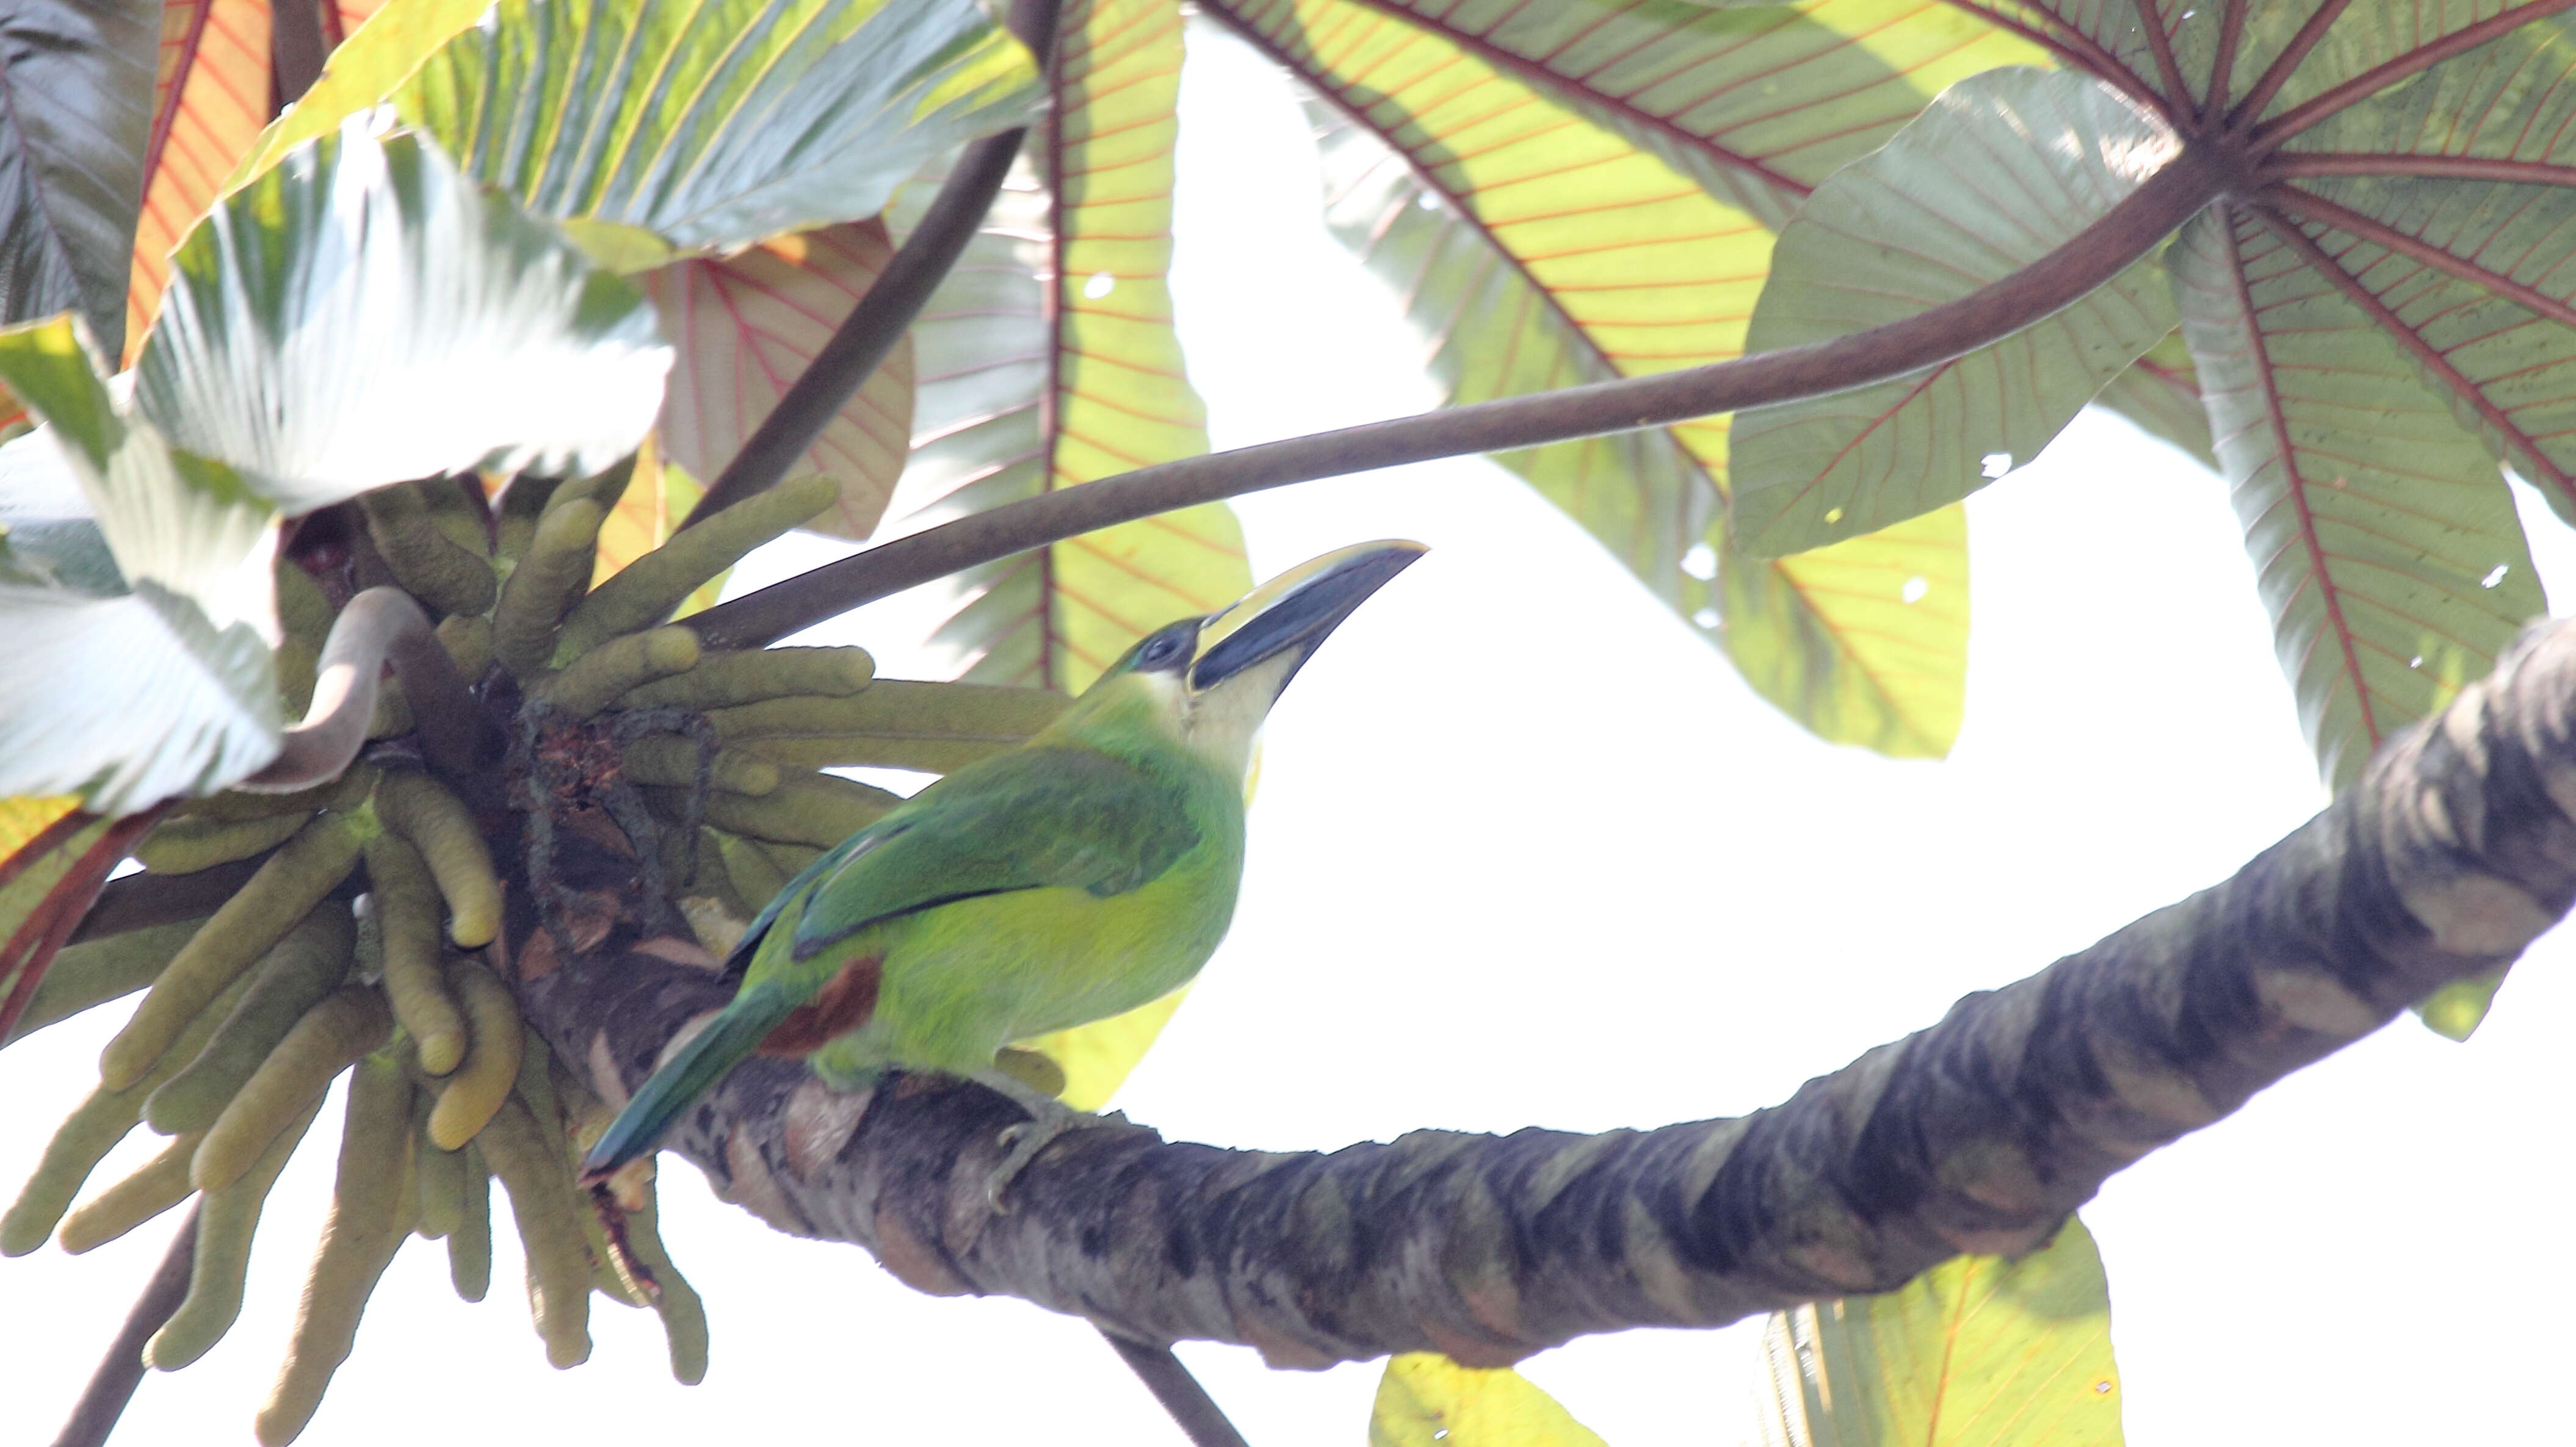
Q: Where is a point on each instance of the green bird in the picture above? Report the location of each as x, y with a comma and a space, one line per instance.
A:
1075, 877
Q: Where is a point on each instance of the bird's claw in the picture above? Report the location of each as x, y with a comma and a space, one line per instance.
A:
1022, 1143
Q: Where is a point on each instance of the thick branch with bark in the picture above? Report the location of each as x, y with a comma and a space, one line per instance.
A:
1979, 1134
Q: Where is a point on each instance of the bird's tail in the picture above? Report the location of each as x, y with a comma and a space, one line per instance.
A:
677, 1083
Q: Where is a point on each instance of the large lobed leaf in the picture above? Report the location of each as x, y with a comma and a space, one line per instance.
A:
1977, 1352
2002, 170
709, 125
362, 313
1535, 249
76, 79
210, 101
1426, 1400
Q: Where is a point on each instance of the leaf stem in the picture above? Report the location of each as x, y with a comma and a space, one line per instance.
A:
860, 344
2169, 71
2292, 164
2101, 251
377, 623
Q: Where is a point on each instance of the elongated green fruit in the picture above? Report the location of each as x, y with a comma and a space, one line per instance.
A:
331, 1037
435, 822
654, 584
815, 809
187, 844
157, 1185
423, 558
546, 583
92, 1130
895, 708
468, 641
249, 924
343, 792
750, 675
469, 1246
225, 1225
469, 1098
522, 503
684, 1316
85, 975
304, 612
407, 904
673, 761
441, 1176
305, 968
595, 678
750, 871
543, 1203
370, 1208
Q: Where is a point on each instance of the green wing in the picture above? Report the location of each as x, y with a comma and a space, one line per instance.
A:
1033, 818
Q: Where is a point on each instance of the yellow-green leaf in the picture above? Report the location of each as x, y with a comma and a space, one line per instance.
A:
1534, 250
52, 859
1977, 1352
1427, 1400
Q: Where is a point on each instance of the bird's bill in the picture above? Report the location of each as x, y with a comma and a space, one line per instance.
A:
1294, 612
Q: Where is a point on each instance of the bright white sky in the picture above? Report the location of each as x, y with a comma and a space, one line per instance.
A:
1526, 852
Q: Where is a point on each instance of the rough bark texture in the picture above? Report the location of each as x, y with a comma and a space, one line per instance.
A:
1979, 1134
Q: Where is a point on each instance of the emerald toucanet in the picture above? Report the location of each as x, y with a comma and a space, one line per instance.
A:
1079, 875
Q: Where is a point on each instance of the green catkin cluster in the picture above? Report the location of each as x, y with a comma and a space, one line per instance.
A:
252, 1012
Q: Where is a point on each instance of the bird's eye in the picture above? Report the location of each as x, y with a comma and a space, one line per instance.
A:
1160, 650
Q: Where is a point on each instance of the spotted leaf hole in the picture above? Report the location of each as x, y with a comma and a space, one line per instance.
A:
1100, 285
1700, 562
1914, 590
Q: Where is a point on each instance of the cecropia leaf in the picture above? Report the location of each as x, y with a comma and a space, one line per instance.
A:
1999, 172
122, 549
363, 313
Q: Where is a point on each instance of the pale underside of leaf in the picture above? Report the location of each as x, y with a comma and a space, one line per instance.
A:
714, 124
2384, 540
75, 108
2161, 394
1426, 1400
2002, 170
1703, 89
1532, 249
1977, 1352
362, 314
211, 100
747, 326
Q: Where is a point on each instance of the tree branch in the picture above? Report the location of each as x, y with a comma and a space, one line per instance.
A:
2129, 230
1979, 1134
95, 1415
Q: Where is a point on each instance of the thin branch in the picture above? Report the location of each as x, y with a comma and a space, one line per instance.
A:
2128, 231
2177, 90
2379, 77
860, 344
365, 634
1978, 1134
121, 1370
2283, 65
296, 49
1189, 1404
874, 326
2288, 164
2431, 360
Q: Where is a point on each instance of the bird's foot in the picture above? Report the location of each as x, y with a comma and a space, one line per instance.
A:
1048, 1119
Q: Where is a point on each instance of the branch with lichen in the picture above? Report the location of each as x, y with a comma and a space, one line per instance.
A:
1979, 1134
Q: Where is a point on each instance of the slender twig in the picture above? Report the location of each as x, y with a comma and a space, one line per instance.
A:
295, 50
2379, 77
860, 345
365, 634
2101, 251
121, 1370
2278, 73
874, 326
2287, 164
1163, 1374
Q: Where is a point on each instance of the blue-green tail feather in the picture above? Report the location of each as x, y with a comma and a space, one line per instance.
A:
709, 1056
